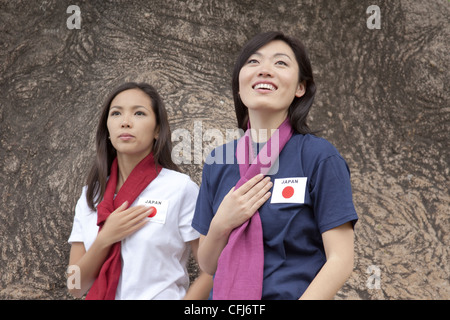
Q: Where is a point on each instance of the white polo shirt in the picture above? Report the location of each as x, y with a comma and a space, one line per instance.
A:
154, 258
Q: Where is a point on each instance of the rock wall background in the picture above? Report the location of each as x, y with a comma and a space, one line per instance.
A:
383, 100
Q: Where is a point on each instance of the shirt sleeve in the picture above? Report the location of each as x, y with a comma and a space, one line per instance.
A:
77, 230
187, 207
203, 211
331, 194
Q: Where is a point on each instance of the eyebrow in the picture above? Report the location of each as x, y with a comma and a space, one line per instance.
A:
133, 107
275, 55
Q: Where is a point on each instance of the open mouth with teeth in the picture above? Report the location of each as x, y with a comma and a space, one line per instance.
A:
264, 86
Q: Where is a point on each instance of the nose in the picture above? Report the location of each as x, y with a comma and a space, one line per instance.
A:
126, 123
265, 74
265, 70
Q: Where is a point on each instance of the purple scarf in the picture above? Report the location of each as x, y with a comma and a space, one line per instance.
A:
240, 267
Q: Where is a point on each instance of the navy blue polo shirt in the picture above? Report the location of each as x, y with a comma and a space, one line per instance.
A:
311, 194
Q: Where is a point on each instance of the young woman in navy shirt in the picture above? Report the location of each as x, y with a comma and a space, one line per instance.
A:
304, 202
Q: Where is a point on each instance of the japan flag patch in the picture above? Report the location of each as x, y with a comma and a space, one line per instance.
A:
289, 190
159, 212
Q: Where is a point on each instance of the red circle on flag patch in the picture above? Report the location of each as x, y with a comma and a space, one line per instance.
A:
287, 192
153, 213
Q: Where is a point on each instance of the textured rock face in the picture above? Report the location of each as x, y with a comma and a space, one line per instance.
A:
382, 101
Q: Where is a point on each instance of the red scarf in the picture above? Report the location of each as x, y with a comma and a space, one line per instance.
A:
105, 286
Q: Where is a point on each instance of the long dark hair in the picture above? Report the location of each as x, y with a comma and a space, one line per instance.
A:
299, 108
162, 147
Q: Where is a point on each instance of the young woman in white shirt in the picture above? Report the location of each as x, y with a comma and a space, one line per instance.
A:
151, 234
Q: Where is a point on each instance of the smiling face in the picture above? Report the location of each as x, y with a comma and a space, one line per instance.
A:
132, 123
269, 80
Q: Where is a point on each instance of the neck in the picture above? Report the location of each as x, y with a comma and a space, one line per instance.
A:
264, 124
126, 163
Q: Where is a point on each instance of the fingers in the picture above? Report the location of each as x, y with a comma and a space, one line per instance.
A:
131, 216
122, 207
256, 195
134, 215
253, 190
239, 205
259, 189
250, 184
124, 222
130, 212
259, 194
136, 226
262, 196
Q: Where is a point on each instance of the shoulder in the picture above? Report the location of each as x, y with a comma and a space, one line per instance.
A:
82, 200
177, 179
82, 207
223, 154
315, 146
313, 151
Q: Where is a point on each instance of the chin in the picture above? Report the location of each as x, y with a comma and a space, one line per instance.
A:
266, 107
130, 151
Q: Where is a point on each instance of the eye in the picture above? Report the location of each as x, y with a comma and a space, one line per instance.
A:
281, 63
114, 113
140, 113
252, 61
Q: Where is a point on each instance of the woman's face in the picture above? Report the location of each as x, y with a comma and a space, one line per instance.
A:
269, 80
132, 123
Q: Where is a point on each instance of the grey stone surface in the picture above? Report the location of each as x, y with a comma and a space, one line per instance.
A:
383, 100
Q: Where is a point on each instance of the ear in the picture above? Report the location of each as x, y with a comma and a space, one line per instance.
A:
301, 89
156, 132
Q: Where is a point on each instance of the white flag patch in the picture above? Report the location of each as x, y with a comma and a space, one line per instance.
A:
289, 190
159, 214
